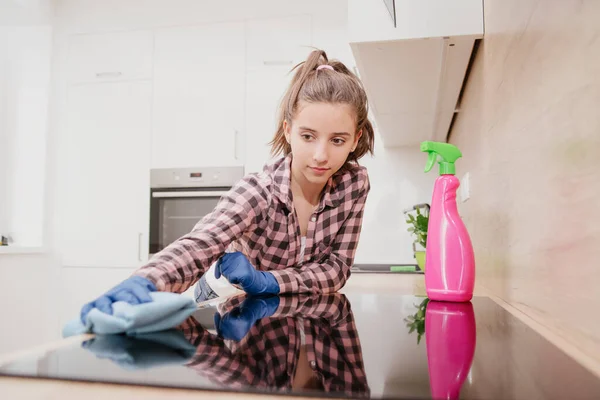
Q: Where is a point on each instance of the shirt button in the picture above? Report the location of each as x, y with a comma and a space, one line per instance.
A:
313, 219
313, 364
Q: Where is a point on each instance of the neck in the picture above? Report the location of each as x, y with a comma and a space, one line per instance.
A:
309, 191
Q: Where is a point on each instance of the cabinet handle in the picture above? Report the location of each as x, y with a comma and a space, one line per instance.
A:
108, 74
140, 246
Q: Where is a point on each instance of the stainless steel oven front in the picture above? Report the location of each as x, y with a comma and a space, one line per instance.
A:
179, 198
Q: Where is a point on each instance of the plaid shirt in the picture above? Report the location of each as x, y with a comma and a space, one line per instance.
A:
257, 217
267, 357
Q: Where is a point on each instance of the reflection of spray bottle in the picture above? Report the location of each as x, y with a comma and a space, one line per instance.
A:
449, 259
450, 334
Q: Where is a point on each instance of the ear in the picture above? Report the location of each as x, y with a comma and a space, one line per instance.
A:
356, 139
287, 130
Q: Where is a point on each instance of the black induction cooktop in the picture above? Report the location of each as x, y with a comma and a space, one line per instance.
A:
359, 345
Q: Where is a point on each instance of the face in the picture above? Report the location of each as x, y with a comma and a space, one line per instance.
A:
321, 135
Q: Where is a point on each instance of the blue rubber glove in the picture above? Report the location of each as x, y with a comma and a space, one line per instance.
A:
133, 290
238, 271
237, 323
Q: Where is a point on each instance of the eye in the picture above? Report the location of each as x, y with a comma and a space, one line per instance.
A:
306, 136
338, 141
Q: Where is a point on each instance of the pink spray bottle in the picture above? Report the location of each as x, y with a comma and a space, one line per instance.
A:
449, 259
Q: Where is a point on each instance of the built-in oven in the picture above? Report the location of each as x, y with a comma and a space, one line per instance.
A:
179, 198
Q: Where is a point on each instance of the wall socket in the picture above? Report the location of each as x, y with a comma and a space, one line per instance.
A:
465, 187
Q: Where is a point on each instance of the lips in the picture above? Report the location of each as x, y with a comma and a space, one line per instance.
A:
319, 169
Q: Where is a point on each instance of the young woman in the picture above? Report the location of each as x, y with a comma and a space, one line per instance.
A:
292, 228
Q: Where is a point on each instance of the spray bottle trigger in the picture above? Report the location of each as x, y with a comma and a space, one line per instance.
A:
430, 161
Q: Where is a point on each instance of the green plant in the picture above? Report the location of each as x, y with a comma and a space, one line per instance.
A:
418, 227
416, 322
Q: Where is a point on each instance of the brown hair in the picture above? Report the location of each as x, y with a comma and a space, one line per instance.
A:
337, 86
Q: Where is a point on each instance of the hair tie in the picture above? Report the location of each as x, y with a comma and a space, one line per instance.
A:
325, 66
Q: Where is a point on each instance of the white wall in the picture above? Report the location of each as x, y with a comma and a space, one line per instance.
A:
25, 54
28, 282
397, 183
5, 161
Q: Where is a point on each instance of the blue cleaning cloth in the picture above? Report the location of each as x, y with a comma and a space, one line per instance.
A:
144, 351
165, 311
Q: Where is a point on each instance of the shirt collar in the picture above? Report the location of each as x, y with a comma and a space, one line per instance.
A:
281, 181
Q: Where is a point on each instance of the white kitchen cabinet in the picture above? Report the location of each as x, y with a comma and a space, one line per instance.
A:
264, 90
105, 156
370, 20
110, 57
277, 42
414, 72
198, 106
273, 47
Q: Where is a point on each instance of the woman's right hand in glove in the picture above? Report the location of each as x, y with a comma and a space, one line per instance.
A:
133, 290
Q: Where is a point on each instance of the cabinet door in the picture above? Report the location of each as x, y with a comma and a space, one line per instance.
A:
110, 57
107, 178
278, 42
264, 91
273, 47
199, 81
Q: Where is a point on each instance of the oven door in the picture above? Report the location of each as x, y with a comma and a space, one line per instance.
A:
175, 212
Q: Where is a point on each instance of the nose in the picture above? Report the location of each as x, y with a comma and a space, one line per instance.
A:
320, 153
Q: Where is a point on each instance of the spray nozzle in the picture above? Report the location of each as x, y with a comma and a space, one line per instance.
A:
446, 151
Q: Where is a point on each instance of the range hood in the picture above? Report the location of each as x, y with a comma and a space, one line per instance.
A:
413, 72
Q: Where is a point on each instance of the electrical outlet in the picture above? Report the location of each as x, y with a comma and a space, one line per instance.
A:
465, 187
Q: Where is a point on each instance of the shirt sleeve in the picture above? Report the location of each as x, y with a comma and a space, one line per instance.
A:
330, 275
182, 263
